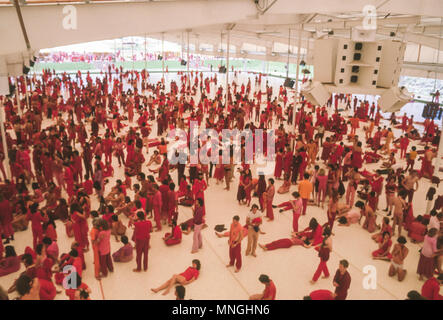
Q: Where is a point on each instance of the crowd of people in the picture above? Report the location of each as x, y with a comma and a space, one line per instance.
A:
67, 136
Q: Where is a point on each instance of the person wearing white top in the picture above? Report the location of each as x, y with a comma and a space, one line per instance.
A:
253, 221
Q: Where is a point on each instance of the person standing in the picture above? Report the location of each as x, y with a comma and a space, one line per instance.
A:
104, 248
342, 280
323, 252
269, 292
297, 205
305, 190
235, 238
142, 230
426, 263
269, 198
253, 221
198, 225
409, 183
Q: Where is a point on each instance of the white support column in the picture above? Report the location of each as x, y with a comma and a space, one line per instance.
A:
4, 143
26, 92
298, 60
163, 56
17, 95
227, 68
187, 57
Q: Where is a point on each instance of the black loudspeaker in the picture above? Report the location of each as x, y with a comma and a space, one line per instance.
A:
11, 90
289, 83
26, 69
354, 79
183, 62
355, 69
222, 69
358, 46
357, 56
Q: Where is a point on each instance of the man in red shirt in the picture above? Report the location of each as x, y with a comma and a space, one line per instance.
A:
342, 280
269, 292
142, 231
320, 295
431, 288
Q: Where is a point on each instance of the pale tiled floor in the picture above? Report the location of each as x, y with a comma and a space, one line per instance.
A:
291, 269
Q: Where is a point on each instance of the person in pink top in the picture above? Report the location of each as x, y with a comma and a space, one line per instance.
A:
322, 181
191, 274
426, 264
104, 248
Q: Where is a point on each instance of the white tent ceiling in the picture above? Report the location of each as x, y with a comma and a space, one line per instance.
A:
257, 31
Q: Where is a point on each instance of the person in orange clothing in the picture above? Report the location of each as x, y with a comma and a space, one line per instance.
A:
269, 292
235, 238
94, 237
305, 190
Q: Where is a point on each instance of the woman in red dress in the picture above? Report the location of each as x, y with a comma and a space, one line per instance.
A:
79, 225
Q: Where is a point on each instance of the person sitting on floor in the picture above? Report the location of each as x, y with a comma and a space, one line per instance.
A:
125, 253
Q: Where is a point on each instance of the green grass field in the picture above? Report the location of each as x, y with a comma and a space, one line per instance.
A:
275, 68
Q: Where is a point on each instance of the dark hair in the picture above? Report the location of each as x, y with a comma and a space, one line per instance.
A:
124, 239
313, 224
414, 295
307, 298
47, 241
10, 252
200, 202
344, 263
27, 259
295, 194
140, 215
73, 253
306, 175
236, 218
180, 291
401, 240
264, 278
342, 220
197, 264
360, 204
23, 284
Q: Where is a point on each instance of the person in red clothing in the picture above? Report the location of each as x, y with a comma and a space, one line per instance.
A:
6, 219
320, 295
269, 292
35, 289
323, 252
191, 274
142, 231
175, 237
431, 288
311, 236
342, 281
79, 286
36, 219
235, 238
417, 230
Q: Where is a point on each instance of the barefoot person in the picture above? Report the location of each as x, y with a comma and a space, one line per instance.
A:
235, 238
399, 254
189, 275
